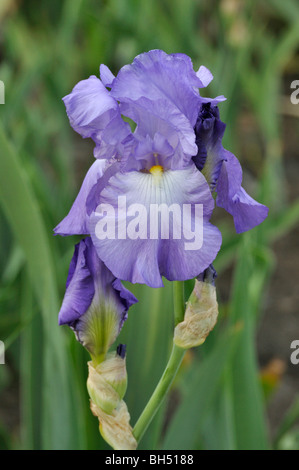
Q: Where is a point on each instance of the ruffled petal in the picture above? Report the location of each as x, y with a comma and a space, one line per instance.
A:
157, 75
247, 212
161, 117
146, 248
90, 107
94, 113
75, 222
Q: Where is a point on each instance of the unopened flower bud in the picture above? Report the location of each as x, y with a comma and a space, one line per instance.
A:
115, 428
201, 312
107, 382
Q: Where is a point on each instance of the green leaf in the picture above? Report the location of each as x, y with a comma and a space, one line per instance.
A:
288, 421
59, 429
249, 413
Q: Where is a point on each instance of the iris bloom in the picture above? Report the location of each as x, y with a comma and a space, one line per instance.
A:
95, 304
223, 171
174, 156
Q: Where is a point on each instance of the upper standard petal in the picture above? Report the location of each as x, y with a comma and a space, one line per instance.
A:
157, 75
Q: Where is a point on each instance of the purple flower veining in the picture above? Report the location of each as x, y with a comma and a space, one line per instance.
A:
95, 303
173, 157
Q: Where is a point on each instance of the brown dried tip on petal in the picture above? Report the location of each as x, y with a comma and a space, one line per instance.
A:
115, 428
200, 316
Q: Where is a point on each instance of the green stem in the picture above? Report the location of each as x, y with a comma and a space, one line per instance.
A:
179, 301
170, 372
162, 388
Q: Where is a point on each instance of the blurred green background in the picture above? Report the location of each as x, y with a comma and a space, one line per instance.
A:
239, 390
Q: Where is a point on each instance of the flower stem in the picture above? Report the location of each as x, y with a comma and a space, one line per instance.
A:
169, 373
179, 301
162, 388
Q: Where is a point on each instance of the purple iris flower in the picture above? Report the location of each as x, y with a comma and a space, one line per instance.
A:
156, 165
223, 171
95, 304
